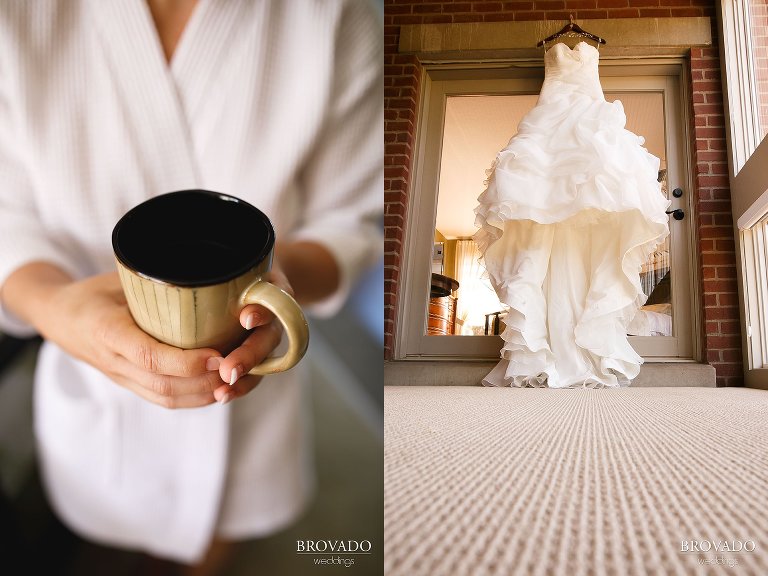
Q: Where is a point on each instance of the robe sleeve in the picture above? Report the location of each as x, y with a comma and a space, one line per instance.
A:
343, 179
23, 238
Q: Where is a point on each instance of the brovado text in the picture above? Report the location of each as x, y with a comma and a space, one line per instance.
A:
333, 546
717, 546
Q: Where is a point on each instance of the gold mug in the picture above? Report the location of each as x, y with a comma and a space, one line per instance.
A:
189, 261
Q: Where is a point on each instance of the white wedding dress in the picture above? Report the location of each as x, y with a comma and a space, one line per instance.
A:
571, 211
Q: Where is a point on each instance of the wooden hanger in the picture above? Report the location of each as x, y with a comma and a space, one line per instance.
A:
571, 29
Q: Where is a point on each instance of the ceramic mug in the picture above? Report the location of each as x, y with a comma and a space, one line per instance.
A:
189, 262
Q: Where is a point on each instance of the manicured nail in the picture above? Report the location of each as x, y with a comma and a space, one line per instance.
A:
250, 321
226, 398
234, 375
213, 363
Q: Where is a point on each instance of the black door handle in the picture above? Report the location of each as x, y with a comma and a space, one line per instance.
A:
677, 213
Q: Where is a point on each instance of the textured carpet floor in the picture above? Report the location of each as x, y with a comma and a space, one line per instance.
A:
506, 481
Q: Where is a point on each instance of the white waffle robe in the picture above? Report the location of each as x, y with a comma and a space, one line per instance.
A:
276, 102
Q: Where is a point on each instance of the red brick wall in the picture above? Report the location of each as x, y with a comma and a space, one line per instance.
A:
720, 315
721, 328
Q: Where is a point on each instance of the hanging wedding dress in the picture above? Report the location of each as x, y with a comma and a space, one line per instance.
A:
571, 211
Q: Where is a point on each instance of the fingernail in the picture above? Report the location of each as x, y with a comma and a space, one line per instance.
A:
213, 363
234, 375
226, 398
250, 321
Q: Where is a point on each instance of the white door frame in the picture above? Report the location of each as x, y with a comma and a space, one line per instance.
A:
667, 75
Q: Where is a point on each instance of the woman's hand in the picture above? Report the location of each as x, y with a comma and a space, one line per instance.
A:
90, 320
265, 337
314, 273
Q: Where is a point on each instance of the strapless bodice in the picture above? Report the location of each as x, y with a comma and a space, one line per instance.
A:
576, 68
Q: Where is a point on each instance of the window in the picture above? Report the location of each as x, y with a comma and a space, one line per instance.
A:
754, 241
745, 59
745, 56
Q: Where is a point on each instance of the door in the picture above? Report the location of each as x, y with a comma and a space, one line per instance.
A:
464, 123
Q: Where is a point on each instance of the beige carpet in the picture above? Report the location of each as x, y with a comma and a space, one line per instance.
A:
503, 481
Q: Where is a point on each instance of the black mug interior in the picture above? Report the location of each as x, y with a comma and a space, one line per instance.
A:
193, 238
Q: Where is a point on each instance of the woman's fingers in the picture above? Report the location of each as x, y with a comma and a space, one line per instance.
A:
154, 357
167, 401
253, 316
259, 344
167, 386
168, 391
227, 393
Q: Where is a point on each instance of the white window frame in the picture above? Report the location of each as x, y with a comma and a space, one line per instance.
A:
742, 107
747, 158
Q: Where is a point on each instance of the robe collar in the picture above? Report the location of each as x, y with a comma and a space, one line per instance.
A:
161, 99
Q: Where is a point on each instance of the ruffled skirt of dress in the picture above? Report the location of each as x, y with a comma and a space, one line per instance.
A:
572, 210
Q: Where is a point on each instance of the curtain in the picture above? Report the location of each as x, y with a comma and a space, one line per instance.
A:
476, 297
655, 268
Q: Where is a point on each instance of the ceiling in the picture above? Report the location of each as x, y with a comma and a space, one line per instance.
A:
477, 127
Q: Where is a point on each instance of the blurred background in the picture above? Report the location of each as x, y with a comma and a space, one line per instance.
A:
345, 364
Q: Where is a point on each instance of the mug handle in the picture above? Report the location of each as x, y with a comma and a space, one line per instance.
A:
285, 308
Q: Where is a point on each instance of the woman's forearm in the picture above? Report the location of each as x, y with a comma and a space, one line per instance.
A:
26, 291
310, 268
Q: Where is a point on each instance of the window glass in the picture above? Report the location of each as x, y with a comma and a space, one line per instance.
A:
461, 299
